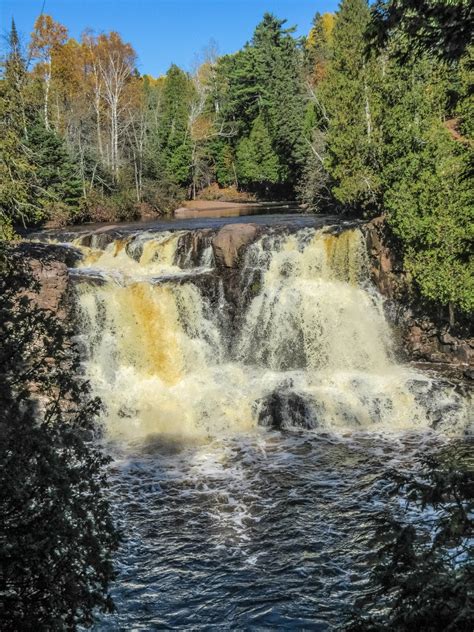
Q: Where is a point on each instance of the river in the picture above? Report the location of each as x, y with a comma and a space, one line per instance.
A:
252, 412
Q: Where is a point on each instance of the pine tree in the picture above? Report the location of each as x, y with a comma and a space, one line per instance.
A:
257, 164
173, 151
265, 79
441, 27
427, 190
17, 173
283, 97
221, 152
352, 110
57, 177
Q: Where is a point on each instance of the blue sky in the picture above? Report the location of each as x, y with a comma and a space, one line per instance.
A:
165, 31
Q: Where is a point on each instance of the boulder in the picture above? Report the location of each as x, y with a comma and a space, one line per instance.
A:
285, 409
229, 241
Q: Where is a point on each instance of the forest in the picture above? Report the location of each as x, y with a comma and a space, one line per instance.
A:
233, 426
369, 114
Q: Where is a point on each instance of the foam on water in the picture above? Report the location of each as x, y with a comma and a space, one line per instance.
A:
312, 340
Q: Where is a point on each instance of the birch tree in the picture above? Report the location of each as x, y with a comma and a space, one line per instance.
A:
116, 63
46, 40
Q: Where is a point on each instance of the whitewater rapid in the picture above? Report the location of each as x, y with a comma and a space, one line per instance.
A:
306, 345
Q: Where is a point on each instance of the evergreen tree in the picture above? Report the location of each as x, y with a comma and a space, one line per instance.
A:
17, 173
173, 148
57, 177
465, 103
224, 161
283, 102
56, 533
265, 79
441, 27
427, 192
352, 110
257, 164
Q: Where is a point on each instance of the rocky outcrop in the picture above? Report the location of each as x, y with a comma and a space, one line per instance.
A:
230, 241
47, 265
284, 409
424, 329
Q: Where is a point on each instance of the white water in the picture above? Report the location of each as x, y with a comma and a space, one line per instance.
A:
312, 331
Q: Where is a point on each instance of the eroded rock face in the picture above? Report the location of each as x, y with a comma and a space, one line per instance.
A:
424, 334
230, 240
48, 265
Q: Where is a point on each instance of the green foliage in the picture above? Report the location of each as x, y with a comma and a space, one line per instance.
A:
265, 79
17, 173
392, 135
224, 163
441, 27
465, 104
283, 103
424, 577
349, 95
57, 179
56, 533
173, 143
257, 163
427, 194
431, 208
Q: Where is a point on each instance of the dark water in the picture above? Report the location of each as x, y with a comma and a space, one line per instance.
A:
271, 216
261, 532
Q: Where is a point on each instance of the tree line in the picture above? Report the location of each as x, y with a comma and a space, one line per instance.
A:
370, 113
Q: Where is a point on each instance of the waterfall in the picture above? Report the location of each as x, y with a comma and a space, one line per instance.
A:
309, 345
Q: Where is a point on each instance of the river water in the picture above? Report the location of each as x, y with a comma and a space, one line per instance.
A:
252, 417
262, 531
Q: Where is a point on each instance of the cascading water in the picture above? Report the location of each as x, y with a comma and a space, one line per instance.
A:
229, 524
310, 344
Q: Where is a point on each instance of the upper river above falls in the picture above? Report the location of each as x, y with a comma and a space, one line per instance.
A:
254, 401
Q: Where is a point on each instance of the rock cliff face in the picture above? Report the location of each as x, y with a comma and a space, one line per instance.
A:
48, 265
424, 330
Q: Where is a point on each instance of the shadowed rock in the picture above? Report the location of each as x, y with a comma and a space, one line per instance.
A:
285, 409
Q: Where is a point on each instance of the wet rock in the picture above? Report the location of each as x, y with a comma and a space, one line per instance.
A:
229, 242
98, 239
446, 402
469, 374
192, 246
285, 409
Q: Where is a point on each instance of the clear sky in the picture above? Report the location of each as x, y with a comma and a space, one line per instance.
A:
165, 31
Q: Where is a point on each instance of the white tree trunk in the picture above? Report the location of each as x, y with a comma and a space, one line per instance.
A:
47, 83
